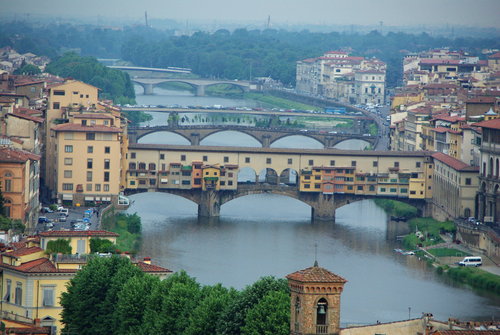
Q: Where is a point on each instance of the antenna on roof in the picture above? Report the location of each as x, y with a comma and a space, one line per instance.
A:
316, 254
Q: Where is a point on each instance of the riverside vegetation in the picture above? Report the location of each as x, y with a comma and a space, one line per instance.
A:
430, 234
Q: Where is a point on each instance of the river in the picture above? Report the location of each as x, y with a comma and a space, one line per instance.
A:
267, 234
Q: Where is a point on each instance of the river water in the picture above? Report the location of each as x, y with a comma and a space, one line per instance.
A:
267, 234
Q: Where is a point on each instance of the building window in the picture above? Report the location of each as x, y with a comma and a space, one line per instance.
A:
106, 176
162, 156
417, 164
132, 155
332, 163
19, 294
152, 166
268, 160
98, 187
353, 163
307, 186
106, 187
89, 187
6, 297
68, 148
226, 159
375, 164
393, 190
89, 163
107, 150
106, 164
382, 189
468, 181
90, 149
132, 166
205, 158
247, 159
59, 92
89, 175
56, 105
67, 187
396, 164
68, 161
360, 188
68, 174
311, 162
90, 136
68, 136
183, 158
290, 161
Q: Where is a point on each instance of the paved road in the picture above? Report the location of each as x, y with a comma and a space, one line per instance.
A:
74, 214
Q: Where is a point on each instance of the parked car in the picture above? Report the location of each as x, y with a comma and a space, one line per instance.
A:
47, 210
43, 219
62, 217
471, 261
64, 211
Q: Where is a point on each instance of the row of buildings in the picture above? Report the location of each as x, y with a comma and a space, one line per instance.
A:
450, 104
345, 78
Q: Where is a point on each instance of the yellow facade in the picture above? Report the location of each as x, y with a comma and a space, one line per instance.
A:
79, 242
71, 95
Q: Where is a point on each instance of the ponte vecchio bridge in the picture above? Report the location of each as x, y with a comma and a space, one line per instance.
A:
326, 179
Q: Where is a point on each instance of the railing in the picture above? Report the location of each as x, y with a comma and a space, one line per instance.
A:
15, 317
321, 329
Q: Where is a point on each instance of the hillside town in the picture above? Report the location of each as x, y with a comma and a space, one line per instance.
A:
62, 145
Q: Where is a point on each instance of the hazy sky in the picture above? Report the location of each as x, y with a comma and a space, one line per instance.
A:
480, 13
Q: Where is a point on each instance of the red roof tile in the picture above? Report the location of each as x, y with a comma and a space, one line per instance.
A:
92, 116
23, 252
491, 124
467, 332
40, 265
151, 268
27, 117
445, 130
70, 233
316, 274
454, 163
16, 156
80, 128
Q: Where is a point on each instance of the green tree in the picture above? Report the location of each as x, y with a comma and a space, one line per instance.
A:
102, 245
28, 69
89, 304
58, 246
133, 300
270, 316
233, 318
171, 305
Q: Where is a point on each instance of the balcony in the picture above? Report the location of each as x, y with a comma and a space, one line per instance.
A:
321, 329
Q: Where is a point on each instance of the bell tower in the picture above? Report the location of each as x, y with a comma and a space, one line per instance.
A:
315, 301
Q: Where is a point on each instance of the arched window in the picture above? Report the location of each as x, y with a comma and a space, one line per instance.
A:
142, 166
467, 212
484, 169
152, 166
132, 166
321, 316
490, 171
7, 181
496, 168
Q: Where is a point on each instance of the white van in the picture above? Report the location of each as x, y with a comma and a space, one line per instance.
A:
471, 261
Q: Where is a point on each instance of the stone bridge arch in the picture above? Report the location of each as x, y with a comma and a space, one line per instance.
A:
322, 140
239, 130
243, 88
372, 140
153, 130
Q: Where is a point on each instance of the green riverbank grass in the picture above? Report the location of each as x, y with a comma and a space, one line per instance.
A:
447, 252
128, 226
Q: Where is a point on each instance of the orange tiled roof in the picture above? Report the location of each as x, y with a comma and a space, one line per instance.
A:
454, 163
151, 268
92, 116
316, 274
71, 233
16, 156
492, 124
23, 251
27, 117
467, 332
40, 265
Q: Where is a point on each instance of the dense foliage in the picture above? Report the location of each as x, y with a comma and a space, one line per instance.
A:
476, 278
127, 226
28, 69
114, 84
102, 245
112, 296
59, 246
233, 55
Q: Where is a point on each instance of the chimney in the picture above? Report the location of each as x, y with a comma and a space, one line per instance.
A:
37, 322
147, 260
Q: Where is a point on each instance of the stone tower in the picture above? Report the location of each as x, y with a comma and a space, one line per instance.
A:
315, 301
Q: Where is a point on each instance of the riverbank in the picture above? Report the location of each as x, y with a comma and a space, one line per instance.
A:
432, 242
127, 226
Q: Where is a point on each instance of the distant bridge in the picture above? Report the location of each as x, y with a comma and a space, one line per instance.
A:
265, 136
149, 69
199, 85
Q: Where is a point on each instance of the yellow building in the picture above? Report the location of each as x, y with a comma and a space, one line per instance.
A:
32, 283
88, 158
72, 95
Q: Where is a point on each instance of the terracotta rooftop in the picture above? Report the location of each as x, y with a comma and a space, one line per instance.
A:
92, 116
454, 163
23, 252
491, 124
27, 117
151, 268
16, 156
70, 233
40, 265
467, 332
316, 274
446, 117
482, 99
81, 128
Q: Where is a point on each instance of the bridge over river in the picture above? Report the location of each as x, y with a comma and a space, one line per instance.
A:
199, 85
265, 136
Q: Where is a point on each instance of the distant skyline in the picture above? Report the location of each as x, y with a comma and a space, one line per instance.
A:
478, 13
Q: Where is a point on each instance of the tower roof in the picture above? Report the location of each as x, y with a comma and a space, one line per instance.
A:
316, 274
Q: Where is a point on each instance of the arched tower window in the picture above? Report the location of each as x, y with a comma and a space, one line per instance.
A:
7, 207
490, 171
496, 168
321, 312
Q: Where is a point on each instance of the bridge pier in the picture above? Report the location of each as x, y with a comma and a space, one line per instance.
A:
200, 90
323, 208
209, 205
266, 141
195, 138
148, 89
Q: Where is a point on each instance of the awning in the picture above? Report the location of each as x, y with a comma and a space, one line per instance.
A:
89, 198
66, 196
